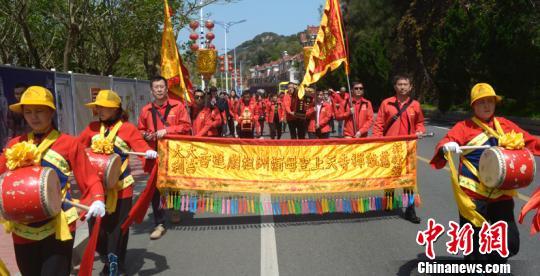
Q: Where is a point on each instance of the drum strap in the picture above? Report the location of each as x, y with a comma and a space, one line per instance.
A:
112, 133
45, 144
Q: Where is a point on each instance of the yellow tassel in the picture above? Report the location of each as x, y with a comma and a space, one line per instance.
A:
3, 269
466, 206
111, 200
62, 227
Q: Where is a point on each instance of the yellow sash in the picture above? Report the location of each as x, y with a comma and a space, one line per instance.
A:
112, 194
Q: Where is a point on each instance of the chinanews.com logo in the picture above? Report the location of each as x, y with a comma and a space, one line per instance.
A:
491, 238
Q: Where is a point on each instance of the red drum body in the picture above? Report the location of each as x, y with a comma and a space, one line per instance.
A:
108, 167
30, 194
506, 169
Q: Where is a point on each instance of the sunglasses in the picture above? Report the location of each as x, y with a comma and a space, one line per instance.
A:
359, 88
198, 97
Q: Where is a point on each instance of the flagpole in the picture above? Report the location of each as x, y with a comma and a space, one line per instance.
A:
353, 112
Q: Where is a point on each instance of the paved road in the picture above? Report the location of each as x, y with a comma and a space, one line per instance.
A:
372, 244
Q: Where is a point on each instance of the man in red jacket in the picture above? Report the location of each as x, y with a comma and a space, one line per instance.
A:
361, 114
275, 115
205, 115
156, 119
319, 115
400, 115
295, 119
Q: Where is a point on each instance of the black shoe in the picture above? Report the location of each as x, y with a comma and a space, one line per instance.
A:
410, 215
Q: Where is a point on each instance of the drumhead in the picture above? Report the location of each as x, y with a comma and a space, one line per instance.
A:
492, 169
51, 194
113, 171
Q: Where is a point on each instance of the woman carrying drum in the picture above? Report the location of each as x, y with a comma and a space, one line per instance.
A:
114, 134
477, 201
44, 247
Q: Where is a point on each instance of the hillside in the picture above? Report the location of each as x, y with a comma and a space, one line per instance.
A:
266, 47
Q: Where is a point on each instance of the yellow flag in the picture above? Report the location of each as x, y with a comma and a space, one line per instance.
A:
171, 63
329, 50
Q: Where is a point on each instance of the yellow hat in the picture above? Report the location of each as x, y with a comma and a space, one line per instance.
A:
34, 95
106, 98
482, 90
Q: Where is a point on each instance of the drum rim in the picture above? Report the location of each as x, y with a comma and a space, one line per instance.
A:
500, 179
2, 211
109, 164
45, 172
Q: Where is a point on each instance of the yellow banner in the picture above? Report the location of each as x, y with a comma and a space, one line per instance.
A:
286, 167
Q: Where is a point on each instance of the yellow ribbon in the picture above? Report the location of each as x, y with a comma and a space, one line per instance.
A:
3, 269
466, 206
511, 140
105, 145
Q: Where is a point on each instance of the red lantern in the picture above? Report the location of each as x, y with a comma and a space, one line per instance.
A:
210, 36
222, 68
221, 57
230, 69
193, 36
194, 47
211, 46
209, 24
194, 24
229, 57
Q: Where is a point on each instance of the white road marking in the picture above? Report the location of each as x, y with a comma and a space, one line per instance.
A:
269, 260
439, 127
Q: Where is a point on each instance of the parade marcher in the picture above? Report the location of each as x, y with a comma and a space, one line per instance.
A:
45, 247
361, 114
114, 129
205, 116
400, 115
261, 108
319, 115
222, 104
484, 129
275, 116
327, 96
246, 116
233, 101
295, 120
281, 97
156, 119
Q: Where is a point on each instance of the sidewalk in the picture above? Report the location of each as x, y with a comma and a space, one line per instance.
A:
7, 253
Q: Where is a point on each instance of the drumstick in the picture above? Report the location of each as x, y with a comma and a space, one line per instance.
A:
474, 147
135, 153
78, 205
429, 134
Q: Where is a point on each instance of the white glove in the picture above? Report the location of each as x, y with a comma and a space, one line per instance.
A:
160, 133
150, 154
235, 123
452, 147
96, 209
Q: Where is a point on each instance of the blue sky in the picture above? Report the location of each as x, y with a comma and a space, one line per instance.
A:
283, 17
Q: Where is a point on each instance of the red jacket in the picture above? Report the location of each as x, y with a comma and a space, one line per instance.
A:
129, 134
74, 153
410, 122
271, 110
363, 112
206, 122
288, 105
261, 107
177, 119
466, 130
233, 102
325, 115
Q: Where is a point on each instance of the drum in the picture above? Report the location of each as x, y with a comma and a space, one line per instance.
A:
506, 169
246, 125
108, 167
30, 194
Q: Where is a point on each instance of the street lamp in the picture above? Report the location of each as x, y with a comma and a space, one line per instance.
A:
227, 26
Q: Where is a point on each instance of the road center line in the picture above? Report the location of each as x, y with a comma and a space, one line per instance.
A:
269, 260
519, 195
